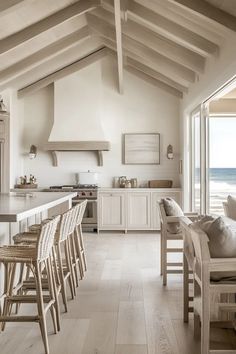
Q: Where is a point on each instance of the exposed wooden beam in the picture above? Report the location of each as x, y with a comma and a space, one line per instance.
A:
119, 44
136, 62
153, 73
69, 69
150, 65
223, 106
47, 23
173, 31
43, 55
9, 5
167, 65
168, 48
208, 11
154, 82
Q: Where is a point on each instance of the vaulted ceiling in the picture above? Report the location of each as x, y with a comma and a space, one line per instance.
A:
165, 42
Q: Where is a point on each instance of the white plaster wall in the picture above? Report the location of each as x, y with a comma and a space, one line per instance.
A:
142, 108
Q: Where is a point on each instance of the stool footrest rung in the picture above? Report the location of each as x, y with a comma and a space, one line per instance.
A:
19, 318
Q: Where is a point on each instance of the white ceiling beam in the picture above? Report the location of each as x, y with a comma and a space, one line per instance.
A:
117, 11
154, 82
11, 5
165, 64
168, 48
145, 66
223, 106
133, 61
208, 11
47, 23
43, 55
153, 73
173, 31
69, 69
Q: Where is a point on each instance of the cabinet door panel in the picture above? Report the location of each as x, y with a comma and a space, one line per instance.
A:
156, 197
138, 210
111, 211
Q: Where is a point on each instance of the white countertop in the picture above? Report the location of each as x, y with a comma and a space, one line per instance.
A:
18, 206
110, 189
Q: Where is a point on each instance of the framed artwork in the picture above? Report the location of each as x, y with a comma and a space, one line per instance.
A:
143, 149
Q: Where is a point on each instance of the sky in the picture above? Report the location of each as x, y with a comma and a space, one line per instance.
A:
222, 134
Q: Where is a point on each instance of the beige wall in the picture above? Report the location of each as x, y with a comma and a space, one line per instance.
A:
92, 92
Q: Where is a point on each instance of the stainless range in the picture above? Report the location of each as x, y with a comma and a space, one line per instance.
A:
84, 191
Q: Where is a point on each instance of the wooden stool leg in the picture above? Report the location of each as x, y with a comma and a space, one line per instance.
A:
61, 274
186, 289
56, 285
40, 304
70, 266
162, 251
74, 264
79, 255
164, 260
82, 247
51, 293
197, 321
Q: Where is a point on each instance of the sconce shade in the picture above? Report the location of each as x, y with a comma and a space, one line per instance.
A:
170, 154
33, 152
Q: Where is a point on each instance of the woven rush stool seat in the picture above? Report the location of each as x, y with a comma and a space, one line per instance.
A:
26, 237
38, 259
20, 254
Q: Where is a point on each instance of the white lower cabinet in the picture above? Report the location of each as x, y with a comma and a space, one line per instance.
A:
138, 211
132, 209
111, 211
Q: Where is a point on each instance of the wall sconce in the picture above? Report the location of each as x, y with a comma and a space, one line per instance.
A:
32, 152
170, 154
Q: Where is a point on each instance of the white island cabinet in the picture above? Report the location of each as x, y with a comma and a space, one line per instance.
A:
132, 209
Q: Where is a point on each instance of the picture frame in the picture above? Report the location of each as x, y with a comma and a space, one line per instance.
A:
141, 149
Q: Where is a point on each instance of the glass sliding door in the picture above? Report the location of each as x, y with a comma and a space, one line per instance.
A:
222, 161
196, 160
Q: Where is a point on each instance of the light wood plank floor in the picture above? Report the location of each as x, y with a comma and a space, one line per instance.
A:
121, 306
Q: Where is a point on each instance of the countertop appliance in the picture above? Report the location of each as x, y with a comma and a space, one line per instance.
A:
84, 191
88, 178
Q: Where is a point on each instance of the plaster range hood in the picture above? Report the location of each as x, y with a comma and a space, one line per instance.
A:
78, 124
95, 146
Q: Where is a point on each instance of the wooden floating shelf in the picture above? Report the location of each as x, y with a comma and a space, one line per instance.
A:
96, 146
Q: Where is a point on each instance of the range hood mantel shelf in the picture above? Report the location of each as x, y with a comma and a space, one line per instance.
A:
96, 146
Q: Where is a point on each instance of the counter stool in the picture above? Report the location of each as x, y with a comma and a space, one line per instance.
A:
36, 258
61, 252
78, 237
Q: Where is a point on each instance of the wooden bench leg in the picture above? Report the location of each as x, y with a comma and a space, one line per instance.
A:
186, 289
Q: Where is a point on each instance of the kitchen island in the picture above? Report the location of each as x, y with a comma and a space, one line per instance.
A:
18, 207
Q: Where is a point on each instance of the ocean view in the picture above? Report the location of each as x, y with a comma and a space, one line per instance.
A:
222, 183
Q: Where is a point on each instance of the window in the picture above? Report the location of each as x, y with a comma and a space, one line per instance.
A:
196, 160
222, 161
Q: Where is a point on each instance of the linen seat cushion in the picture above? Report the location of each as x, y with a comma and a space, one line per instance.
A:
231, 207
222, 236
172, 209
221, 232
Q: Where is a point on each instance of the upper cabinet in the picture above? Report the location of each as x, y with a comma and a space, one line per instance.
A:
132, 209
